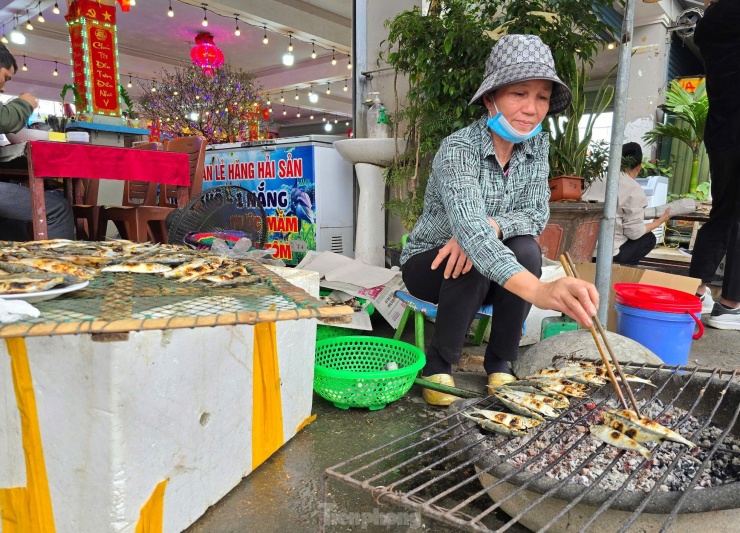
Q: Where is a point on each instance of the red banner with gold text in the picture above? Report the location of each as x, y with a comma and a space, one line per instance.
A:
78, 64
101, 48
92, 11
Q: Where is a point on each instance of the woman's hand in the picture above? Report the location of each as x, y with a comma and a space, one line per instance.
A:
457, 263
576, 298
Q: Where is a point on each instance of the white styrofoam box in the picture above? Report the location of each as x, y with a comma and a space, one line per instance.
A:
656, 190
117, 418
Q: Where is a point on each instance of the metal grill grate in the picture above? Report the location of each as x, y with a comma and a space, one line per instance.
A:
452, 472
120, 302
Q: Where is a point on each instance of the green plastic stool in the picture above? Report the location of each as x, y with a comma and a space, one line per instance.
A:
555, 325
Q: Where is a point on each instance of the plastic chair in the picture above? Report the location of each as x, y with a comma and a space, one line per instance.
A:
422, 309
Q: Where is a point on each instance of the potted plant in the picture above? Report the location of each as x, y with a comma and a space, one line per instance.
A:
131, 116
691, 110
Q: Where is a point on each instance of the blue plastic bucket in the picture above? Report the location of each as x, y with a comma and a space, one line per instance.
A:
667, 335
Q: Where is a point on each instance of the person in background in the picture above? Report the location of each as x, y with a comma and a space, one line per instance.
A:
15, 200
486, 201
633, 238
718, 39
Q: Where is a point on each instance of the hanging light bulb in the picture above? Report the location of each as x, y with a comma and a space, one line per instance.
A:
132, 2
328, 126
170, 13
205, 18
129, 84
268, 101
288, 59
282, 98
323, 119
40, 18
175, 93
296, 93
333, 57
265, 40
349, 62
4, 39
55, 9
298, 114
290, 42
284, 111
336, 121
328, 87
313, 50
56, 71
237, 32
311, 117
345, 86
270, 110
154, 89
17, 37
346, 123
312, 96
24, 67
29, 26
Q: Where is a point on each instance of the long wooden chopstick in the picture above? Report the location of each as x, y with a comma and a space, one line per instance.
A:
570, 270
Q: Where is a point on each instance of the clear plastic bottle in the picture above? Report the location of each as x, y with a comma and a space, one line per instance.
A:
377, 123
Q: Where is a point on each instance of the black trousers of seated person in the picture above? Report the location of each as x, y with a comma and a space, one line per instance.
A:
632, 251
458, 300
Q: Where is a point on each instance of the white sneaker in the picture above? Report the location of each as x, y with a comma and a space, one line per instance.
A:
723, 318
707, 303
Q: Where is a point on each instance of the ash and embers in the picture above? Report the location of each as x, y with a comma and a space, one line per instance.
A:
571, 431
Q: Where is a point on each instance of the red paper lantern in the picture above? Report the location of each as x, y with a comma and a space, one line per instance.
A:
206, 54
266, 113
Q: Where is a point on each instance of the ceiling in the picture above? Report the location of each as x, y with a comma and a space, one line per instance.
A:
149, 41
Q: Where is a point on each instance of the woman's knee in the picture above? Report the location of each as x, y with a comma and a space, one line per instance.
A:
527, 252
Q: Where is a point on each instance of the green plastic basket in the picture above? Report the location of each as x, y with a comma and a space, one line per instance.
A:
324, 332
349, 370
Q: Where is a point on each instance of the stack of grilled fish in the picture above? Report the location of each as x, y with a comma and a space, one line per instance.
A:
41, 265
541, 395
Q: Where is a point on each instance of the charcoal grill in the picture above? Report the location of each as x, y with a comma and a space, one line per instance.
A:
453, 472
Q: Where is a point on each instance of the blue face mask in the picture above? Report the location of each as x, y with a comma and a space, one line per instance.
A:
501, 127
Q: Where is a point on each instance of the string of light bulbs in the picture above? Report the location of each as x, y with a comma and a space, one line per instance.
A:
32, 12
265, 28
313, 96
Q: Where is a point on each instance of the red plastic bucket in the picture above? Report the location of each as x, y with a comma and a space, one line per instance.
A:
659, 318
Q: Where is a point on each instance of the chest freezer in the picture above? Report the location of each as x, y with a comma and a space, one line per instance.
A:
304, 185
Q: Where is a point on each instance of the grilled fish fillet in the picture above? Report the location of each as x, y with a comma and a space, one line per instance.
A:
138, 268
642, 429
509, 420
56, 266
23, 285
618, 440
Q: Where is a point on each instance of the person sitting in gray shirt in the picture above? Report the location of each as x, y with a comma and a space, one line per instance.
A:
15, 200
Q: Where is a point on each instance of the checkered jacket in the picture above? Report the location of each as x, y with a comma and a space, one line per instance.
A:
467, 185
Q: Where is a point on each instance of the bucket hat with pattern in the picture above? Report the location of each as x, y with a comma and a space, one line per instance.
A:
516, 58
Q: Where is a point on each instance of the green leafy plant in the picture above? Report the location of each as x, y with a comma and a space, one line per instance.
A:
692, 110
701, 194
596, 161
75, 93
129, 103
655, 167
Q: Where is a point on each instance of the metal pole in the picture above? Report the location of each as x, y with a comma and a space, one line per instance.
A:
606, 228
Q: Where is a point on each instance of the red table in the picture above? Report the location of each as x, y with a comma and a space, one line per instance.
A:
68, 160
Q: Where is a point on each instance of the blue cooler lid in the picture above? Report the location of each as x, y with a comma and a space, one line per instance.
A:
654, 298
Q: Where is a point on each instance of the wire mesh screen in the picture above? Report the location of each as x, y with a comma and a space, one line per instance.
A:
120, 302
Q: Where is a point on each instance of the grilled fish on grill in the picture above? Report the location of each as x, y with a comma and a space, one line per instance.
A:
195, 269
519, 409
641, 429
529, 403
55, 266
564, 386
618, 440
138, 268
509, 420
556, 403
495, 427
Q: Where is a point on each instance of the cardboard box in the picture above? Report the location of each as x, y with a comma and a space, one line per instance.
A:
625, 274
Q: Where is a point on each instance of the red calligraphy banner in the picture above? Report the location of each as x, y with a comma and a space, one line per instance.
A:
78, 64
101, 47
92, 10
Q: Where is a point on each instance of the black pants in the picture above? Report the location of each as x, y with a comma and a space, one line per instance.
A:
720, 234
459, 299
632, 251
